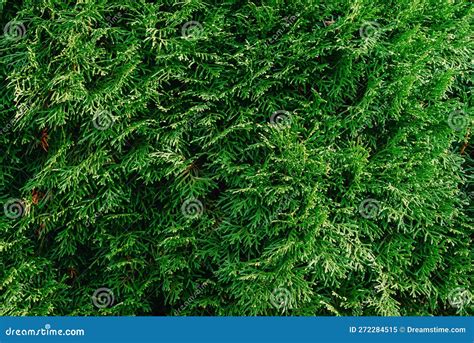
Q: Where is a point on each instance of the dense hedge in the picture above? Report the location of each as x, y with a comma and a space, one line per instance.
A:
237, 158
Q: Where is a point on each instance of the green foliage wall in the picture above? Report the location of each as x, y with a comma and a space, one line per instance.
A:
236, 158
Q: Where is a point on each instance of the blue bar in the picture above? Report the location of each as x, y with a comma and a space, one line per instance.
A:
237, 329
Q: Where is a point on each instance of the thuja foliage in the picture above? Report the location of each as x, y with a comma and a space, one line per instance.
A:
236, 158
